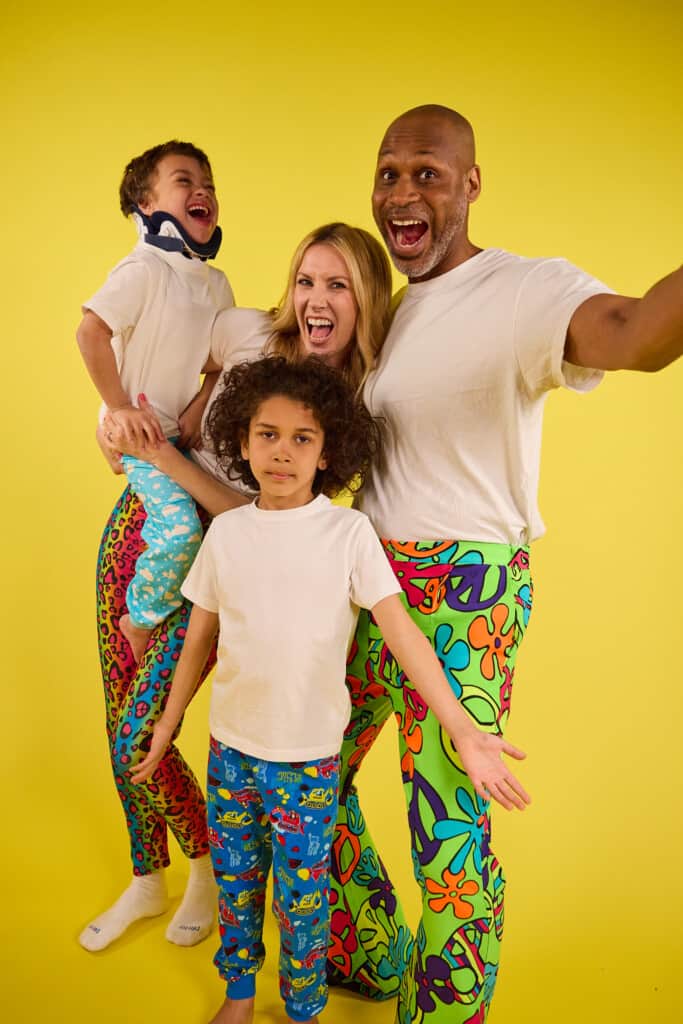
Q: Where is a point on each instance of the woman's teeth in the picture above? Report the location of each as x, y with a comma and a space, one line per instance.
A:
319, 327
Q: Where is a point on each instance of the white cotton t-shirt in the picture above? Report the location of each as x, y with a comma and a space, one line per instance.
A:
237, 335
160, 307
287, 586
460, 383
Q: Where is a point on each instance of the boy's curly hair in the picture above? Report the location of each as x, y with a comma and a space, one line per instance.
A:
352, 437
137, 176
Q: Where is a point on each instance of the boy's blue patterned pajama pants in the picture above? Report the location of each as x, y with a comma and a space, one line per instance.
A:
273, 812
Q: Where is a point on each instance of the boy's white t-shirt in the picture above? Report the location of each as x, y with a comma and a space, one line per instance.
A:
461, 383
161, 307
287, 586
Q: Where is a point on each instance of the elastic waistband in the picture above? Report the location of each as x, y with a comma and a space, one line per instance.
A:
452, 552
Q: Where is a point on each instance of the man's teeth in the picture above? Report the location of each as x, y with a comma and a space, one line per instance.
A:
408, 231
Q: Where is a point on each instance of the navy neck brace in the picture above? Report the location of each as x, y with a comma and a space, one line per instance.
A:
163, 230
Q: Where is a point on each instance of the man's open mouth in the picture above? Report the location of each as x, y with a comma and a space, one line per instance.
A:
319, 327
407, 233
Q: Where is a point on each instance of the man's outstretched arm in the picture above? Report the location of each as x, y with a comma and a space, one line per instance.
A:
614, 332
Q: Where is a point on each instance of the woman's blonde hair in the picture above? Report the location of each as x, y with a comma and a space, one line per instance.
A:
370, 275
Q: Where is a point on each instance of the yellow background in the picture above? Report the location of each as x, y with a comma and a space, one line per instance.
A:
578, 116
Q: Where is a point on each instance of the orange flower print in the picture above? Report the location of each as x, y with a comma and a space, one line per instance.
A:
451, 893
363, 743
496, 643
412, 736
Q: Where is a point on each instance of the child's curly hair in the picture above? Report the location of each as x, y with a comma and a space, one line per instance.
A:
352, 437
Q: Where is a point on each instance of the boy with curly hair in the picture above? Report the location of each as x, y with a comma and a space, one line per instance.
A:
282, 580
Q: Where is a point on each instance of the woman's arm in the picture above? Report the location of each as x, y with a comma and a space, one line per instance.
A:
200, 634
480, 752
190, 419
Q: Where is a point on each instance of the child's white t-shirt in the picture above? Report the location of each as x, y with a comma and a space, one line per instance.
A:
160, 307
287, 586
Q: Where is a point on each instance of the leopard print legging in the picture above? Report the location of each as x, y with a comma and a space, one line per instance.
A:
134, 698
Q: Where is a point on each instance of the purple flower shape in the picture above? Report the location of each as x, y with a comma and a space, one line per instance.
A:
382, 892
433, 981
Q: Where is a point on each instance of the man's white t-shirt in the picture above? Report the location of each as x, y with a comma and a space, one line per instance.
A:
160, 307
287, 586
461, 383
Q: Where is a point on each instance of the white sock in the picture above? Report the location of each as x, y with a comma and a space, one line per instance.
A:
193, 920
145, 897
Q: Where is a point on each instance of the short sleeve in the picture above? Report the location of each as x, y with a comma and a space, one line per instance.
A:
548, 297
238, 334
121, 299
200, 585
372, 578
225, 297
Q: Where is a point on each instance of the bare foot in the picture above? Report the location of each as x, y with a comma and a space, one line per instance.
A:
136, 636
235, 1011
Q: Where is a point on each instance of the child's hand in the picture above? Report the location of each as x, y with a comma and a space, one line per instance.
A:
481, 754
138, 426
161, 738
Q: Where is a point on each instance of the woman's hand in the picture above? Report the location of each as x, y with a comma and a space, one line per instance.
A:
190, 424
111, 453
114, 436
190, 420
161, 737
139, 426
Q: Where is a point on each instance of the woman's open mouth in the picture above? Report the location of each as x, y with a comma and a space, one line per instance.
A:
319, 327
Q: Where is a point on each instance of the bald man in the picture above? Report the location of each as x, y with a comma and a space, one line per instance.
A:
479, 339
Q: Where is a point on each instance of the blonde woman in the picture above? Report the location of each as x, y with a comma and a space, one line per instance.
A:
336, 304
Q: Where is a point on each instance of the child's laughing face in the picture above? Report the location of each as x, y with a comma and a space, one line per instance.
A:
182, 187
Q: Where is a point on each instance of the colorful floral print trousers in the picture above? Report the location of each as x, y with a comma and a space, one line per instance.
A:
263, 813
473, 602
134, 699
